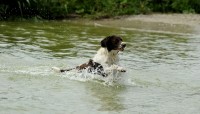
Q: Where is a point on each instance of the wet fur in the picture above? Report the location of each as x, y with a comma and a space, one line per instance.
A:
90, 66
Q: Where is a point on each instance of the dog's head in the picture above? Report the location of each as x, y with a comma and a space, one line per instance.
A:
113, 43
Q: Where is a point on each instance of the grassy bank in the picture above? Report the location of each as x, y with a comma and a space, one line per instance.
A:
59, 9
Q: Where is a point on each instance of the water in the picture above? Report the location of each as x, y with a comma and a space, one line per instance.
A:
162, 69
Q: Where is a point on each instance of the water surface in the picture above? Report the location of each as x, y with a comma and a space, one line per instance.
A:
162, 69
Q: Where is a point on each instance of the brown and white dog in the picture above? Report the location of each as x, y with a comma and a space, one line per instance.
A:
106, 60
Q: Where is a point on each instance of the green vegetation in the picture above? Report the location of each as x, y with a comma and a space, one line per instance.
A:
59, 9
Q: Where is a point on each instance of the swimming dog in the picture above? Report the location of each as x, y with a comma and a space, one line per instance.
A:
106, 59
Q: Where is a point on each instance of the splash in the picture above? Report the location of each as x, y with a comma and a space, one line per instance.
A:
114, 78
83, 76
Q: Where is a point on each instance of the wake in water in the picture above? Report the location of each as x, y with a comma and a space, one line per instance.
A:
112, 78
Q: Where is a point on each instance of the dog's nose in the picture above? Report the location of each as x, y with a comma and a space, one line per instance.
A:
123, 45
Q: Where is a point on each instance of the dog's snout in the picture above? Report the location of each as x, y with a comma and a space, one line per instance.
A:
123, 45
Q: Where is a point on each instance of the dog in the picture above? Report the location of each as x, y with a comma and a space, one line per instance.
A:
106, 59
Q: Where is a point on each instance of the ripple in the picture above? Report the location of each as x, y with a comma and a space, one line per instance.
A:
3, 36
20, 29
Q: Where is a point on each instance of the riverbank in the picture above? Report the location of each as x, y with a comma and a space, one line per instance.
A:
177, 23
185, 19
61, 9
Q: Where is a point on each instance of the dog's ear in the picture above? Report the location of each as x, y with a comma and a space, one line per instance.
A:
104, 42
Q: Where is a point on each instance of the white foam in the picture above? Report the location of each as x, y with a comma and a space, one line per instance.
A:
84, 76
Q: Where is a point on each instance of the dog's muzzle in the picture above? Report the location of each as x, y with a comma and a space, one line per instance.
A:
122, 46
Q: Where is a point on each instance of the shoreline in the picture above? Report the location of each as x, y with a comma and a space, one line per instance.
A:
185, 19
156, 22
168, 23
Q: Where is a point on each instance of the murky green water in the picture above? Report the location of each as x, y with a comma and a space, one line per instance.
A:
162, 70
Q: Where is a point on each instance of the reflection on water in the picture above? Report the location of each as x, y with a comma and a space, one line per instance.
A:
164, 48
71, 40
163, 68
108, 96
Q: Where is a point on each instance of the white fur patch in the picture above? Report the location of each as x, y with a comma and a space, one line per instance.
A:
106, 58
109, 60
56, 69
